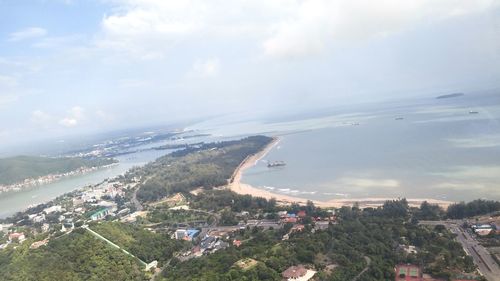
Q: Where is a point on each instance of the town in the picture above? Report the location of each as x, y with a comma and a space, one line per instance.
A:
193, 233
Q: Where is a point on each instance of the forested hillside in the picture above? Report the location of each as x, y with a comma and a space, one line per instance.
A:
19, 168
207, 166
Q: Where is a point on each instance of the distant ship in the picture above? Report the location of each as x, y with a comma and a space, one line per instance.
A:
399, 118
473, 112
276, 164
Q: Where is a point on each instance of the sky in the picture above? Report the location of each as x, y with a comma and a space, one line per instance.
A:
70, 67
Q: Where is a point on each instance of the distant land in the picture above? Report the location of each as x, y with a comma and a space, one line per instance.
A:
454, 95
17, 169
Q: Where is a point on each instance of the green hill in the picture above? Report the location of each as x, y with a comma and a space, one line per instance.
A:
19, 168
76, 256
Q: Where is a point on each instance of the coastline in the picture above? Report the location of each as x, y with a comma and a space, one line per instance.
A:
237, 186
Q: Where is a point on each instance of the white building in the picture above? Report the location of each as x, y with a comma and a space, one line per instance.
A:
180, 234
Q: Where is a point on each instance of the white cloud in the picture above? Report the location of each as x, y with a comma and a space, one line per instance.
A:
75, 116
41, 118
317, 23
207, 68
27, 33
68, 122
281, 28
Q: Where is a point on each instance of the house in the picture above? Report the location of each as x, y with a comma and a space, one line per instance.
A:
298, 273
408, 272
301, 214
38, 218
38, 244
290, 220
297, 228
236, 243
112, 206
53, 209
408, 249
45, 227
17, 236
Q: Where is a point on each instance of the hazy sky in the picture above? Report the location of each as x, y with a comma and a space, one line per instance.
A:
70, 67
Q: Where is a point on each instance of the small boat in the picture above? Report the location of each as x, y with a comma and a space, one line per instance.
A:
399, 118
473, 112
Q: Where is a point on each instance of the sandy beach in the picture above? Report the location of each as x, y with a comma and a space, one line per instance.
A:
241, 188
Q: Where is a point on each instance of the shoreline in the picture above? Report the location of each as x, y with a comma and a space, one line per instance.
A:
237, 186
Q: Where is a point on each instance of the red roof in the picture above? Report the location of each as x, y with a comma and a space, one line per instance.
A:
15, 235
301, 214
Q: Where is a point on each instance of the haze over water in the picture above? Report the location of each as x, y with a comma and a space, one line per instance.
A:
440, 150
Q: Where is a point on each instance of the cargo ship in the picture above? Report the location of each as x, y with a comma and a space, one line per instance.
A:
276, 164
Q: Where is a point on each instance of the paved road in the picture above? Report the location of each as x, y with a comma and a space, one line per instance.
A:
138, 206
368, 262
482, 258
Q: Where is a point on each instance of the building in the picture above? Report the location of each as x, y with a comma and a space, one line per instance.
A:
17, 236
236, 243
180, 234
191, 233
52, 209
408, 272
112, 206
99, 215
5, 227
38, 244
298, 273
297, 228
186, 234
45, 227
483, 229
408, 249
301, 214
151, 265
